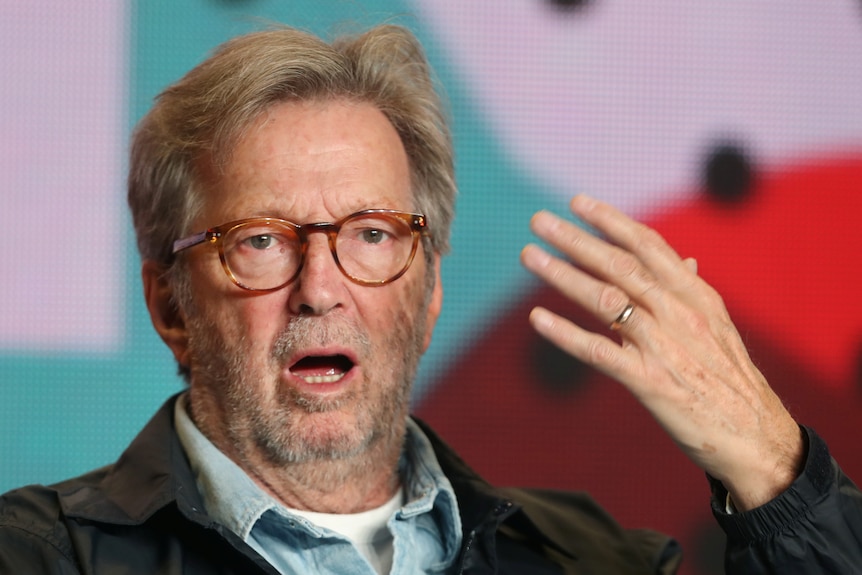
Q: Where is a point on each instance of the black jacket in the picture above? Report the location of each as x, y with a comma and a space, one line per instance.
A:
144, 515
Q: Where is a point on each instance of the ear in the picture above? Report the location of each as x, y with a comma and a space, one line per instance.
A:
169, 321
434, 306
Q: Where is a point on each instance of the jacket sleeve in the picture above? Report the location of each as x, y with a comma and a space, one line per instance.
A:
815, 526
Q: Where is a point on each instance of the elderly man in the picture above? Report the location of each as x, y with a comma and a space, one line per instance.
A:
292, 200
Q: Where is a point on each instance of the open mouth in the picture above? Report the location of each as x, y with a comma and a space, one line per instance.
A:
322, 368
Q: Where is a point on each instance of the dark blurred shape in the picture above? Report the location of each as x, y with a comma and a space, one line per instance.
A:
708, 549
569, 5
728, 173
557, 371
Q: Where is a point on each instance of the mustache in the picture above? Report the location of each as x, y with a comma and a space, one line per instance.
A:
308, 331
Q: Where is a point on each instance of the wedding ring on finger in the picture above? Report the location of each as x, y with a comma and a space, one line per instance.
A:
623, 317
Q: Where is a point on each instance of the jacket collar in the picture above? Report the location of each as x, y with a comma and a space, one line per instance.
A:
483, 506
152, 473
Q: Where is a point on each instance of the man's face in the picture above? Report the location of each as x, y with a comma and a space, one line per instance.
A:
322, 368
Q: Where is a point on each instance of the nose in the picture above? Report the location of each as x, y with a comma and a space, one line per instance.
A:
320, 286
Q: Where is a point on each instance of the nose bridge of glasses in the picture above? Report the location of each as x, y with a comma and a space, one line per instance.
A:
329, 229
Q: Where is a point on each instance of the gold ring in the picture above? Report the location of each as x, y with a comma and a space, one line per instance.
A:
623, 317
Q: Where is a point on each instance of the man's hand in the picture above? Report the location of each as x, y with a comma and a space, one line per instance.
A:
680, 355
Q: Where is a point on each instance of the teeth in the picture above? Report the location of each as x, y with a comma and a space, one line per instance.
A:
330, 378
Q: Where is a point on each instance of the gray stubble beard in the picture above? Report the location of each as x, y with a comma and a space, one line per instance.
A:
268, 423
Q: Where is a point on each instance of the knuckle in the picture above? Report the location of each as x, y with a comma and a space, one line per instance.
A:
611, 300
624, 264
649, 239
557, 273
698, 321
599, 353
714, 306
573, 242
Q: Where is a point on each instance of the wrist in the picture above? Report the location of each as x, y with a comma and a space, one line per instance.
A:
757, 488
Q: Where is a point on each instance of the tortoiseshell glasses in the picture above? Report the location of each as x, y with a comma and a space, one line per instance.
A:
371, 247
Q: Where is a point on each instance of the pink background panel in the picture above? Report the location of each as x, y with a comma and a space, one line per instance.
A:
62, 154
556, 86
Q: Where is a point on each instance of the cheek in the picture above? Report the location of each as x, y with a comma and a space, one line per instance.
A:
398, 333
261, 317
393, 307
243, 317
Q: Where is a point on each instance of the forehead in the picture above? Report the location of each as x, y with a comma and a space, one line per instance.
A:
307, 160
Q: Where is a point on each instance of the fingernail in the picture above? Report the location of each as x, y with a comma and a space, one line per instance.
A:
584, 203
539, 218
541, 319
534, 257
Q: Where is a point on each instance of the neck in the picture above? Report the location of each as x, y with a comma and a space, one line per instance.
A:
350, 485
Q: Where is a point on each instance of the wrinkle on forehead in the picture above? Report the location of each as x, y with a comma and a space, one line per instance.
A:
307, 161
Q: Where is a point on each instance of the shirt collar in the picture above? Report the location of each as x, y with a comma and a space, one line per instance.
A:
230, 496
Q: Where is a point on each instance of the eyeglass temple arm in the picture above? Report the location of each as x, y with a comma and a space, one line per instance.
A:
190, 241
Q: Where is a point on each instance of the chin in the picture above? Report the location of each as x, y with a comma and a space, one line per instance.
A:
320, 436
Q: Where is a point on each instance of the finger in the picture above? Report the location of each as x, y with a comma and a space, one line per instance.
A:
598, 351
605, 301
642, 241
596, 256
691, 264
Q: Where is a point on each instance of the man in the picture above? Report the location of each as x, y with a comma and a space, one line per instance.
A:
292, 200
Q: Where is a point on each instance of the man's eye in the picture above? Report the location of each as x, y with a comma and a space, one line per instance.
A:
373, 236
261, 242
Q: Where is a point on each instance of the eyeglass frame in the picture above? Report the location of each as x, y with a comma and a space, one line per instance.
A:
418, 224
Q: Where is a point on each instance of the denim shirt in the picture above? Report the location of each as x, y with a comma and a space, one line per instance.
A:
426, 529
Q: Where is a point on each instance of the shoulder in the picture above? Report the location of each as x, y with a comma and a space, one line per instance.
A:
43, 504
34, 531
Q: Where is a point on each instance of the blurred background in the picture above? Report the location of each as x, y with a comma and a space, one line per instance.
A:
733, 127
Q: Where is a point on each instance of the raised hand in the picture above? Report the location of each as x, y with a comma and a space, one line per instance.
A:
679, 352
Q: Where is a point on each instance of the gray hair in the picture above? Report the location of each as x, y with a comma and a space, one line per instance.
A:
201, 117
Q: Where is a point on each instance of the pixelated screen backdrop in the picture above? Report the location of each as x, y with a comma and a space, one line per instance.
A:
733, 127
